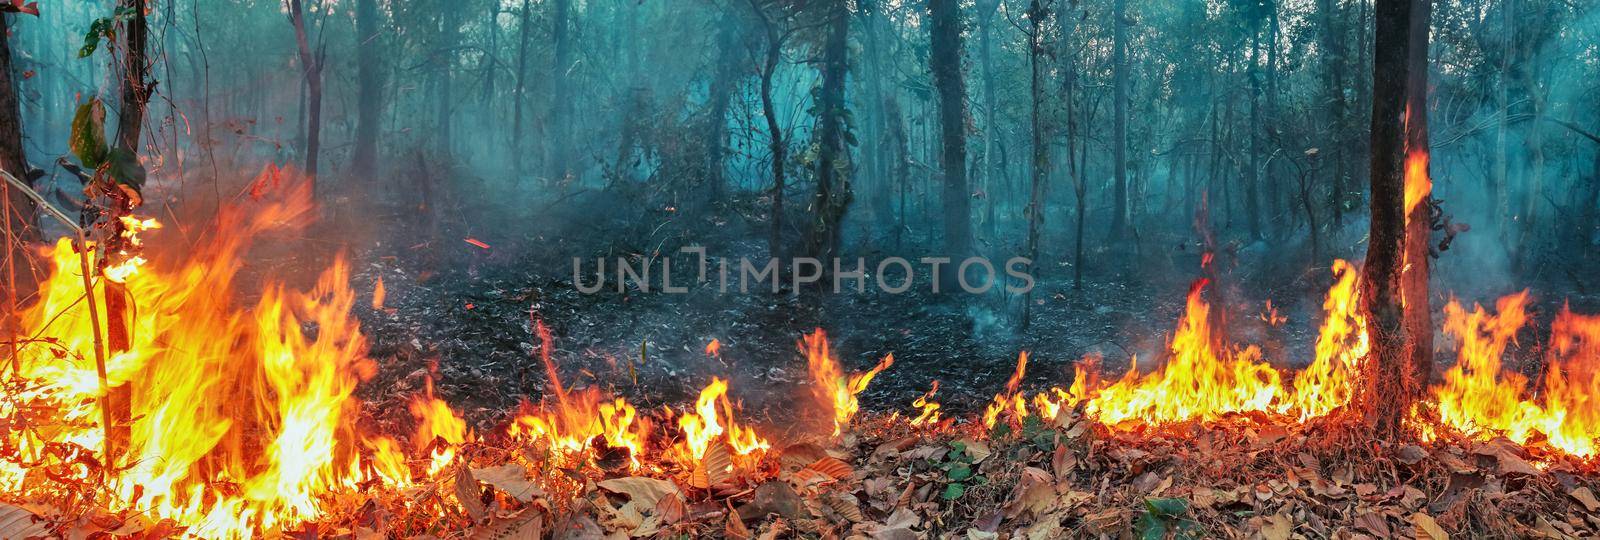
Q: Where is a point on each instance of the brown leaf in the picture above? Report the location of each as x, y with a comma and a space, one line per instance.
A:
735, 529
1583, 495
846, 506
1034, 494
511, 479
1410, 454
975, 448
470, 495
799, 455
833, 467
1276, 527
718, 465
774, 497
1427, 528
528, 525
646, 492
671, 508
17, 522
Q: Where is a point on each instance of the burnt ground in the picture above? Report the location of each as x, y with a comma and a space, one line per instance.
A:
463, 312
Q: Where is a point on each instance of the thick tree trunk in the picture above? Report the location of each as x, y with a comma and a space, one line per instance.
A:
1394, 297
833, 160
1119, 121
1069, 85
19, 215
991, 167
944, 24
369, 89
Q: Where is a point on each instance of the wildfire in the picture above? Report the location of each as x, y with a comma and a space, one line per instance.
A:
930, 408
1478, 397
832, 386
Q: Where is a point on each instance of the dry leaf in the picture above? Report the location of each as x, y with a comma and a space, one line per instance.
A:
799, 455
832, 467
1427, 528
644, 491
1583, 495
511, 479
18, 522
528, 525
1277, 527
735, 529
977, 449
470, 495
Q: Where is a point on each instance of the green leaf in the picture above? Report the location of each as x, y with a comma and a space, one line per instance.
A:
125, 169
91, 40
959, 471
88, 140
953, 491
1168, 508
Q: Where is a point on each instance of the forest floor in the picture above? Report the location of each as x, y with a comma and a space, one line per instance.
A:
461, 316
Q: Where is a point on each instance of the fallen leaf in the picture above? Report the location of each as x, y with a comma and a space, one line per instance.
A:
977, 449
1583, 495
470, 494
510, 479
1276, 527
1427, 528
528, 525
18, 522
735, 529
833, 467
645, 491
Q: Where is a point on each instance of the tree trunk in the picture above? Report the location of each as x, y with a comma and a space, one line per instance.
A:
560, 126
449, 30
369, 89
520, 97
1119, 121
991, 167
20, 216
1069, 85
776, 144
1041, 146
135, 94
1332, 45
1252, 178
1394, 297
311, 66
833, 161
723, 85
944, 23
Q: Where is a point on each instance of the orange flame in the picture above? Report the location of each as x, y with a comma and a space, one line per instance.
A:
832, 386
714, 348
1480, 398
929, 408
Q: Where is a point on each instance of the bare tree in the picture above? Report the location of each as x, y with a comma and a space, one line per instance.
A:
944, 59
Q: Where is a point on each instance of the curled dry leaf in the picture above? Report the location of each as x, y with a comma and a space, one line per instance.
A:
470, 495
832, 467
18, 522
511, 479
735, 529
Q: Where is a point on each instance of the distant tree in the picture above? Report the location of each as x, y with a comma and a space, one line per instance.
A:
311, 63
832, 167
369, 87
1119, 120
20, 216
1038, 12
944, 60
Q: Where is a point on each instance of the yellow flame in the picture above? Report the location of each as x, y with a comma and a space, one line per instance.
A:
833, 387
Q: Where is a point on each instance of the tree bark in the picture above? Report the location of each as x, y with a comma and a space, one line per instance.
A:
769, 111
1119, 121
1332, 44
135, 94
1390, 291
369, 89
311, 66
944, 23
560, 100
723, 84
833, 194
520, 96
1041, 148
19, 213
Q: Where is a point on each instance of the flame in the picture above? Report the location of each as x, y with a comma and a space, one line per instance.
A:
1417, 183
1480, 398
714, 348
712, 417
571, 425
929, 408
1202, 379
1330, 381
832, 386
439, 429
1010, 399
219, 395
378, 295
